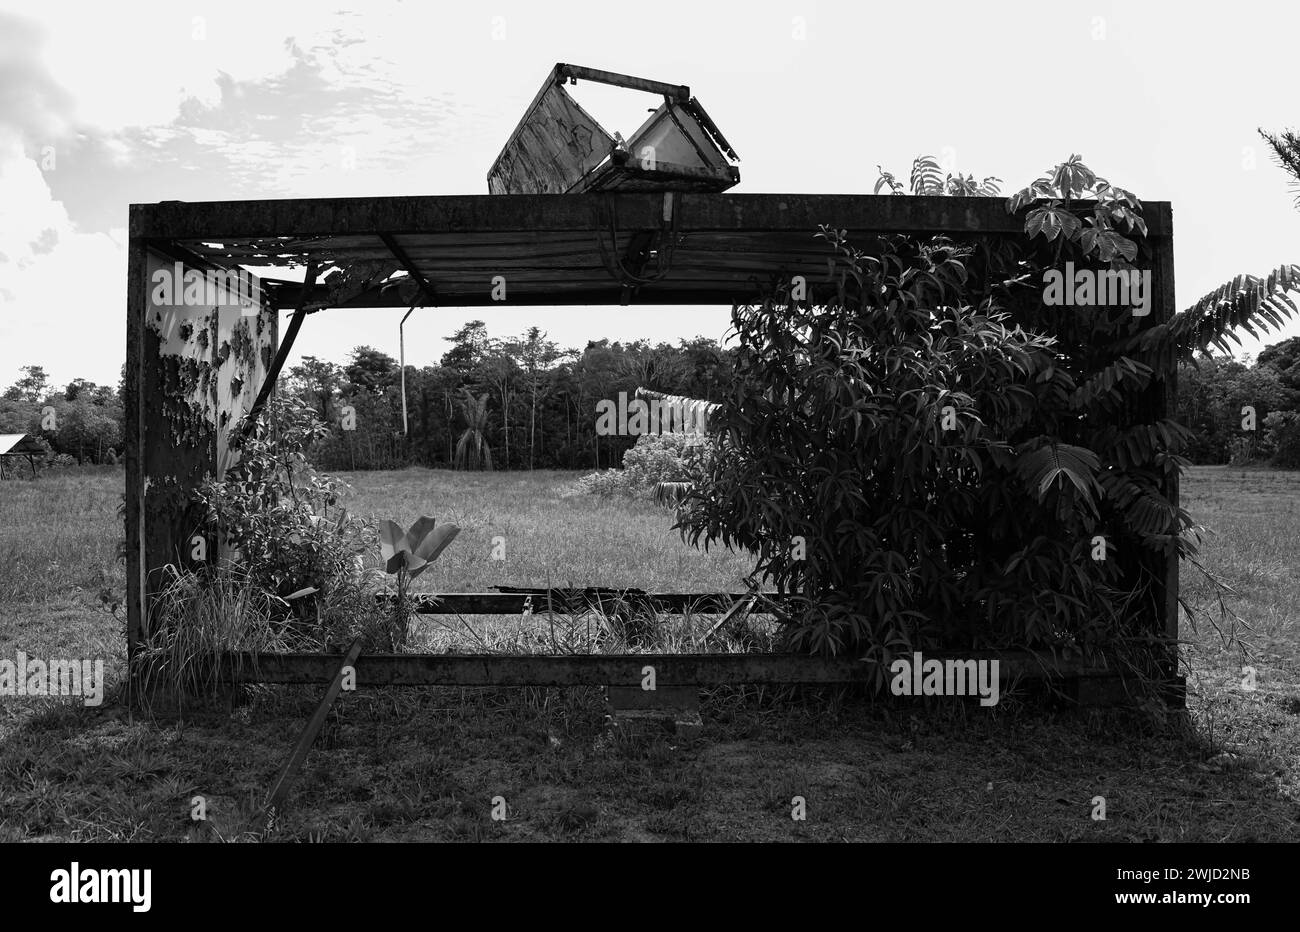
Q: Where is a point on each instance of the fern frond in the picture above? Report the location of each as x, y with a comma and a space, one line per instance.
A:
671, 493
926, 178
1043, 467
1140, 446
1103, 389
1245, 302
1145, 510
1286, 149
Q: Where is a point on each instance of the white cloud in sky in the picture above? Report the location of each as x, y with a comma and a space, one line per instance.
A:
48, 267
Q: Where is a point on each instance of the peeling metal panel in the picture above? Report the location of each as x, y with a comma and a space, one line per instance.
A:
557, 143
204, 358
239, 377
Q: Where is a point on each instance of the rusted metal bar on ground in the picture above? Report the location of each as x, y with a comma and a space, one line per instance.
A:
617, 669
563, 603
736, 613
280, 789
273, 373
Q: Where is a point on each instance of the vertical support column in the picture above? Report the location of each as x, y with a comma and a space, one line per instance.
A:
136, 306
1163, 280
1160, 401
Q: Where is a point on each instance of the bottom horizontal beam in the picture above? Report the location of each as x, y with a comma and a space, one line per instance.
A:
612, 669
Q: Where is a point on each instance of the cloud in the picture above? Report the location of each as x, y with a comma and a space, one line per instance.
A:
32, 103
88, 126
62, 289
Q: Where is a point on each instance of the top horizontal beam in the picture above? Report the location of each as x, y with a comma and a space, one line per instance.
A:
216, 221
676, 91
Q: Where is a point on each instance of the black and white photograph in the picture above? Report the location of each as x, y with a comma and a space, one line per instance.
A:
781, 422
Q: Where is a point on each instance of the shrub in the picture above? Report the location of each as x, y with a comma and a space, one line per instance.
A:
655, 467
1283, 438
606, 483
656, 458
284, 525
873, 453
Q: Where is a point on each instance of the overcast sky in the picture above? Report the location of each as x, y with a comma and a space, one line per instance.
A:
104, 105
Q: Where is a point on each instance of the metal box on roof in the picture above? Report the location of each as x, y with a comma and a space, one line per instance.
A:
559, 148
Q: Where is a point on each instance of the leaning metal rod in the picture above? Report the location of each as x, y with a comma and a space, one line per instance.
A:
273, 373
401, 339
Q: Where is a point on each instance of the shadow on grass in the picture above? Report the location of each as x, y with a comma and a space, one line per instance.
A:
440, 763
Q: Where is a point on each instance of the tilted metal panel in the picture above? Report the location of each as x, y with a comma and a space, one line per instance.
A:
555, 145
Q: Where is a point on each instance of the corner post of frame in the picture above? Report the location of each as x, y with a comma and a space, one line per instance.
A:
1165, 307
136, 309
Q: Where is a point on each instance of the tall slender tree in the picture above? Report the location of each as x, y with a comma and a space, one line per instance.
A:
472, 450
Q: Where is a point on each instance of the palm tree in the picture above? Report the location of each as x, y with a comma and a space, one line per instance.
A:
472, 450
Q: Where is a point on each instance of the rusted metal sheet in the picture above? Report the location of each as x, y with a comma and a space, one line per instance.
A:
555, 145
669, 152
177, 417
610, 669
559, 148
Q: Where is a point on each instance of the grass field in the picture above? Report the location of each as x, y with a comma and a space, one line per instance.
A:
426, 764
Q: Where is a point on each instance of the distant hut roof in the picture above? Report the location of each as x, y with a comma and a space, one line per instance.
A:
19, 445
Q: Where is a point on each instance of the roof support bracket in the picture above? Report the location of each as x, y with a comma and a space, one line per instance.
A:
281, 354
426, 290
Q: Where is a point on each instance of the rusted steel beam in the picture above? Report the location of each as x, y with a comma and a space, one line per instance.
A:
281, 354
578, 213
678, 92
611, 669
543, 296
426, 290
711, 128
515, 603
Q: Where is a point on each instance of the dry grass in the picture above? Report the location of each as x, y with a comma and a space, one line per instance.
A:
425, 764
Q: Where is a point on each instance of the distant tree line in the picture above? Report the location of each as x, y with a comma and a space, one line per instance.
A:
1244, 413
525, 403
81, 422
515, 403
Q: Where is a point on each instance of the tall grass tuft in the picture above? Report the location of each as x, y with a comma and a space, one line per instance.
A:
196, 619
